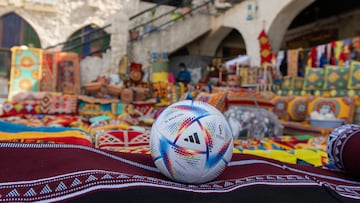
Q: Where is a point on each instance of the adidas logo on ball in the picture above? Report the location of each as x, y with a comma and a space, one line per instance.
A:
192, 137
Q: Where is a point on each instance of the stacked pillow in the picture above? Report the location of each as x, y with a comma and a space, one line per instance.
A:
299, 108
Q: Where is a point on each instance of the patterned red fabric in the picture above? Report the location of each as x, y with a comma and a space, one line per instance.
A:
56, 140
343, 149
122, 139
12, 108
54, 173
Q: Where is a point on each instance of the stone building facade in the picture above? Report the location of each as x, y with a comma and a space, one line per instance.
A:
55, 21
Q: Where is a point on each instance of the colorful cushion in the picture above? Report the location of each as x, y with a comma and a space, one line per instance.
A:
292, 83
342, 107
215, 99
298, 83
354, 79
63, 104
136, 109
280, 106
314, 78
297, 108
336, 77
93, 107
286, 83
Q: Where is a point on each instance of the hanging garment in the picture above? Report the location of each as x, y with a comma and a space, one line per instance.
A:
284, 65
293, 56
314, 57
265, 48
320, 54
303, 61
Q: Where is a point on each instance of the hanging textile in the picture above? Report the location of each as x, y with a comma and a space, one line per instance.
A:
292, 59
303, 61
344, 56
313, 55
337, 48
265, 48
320, 55
26, 70
48, 81
283, 67
68, 73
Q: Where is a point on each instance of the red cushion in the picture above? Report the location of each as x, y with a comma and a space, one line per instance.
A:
343, 149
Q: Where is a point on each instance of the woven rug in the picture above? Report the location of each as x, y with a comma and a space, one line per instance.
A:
26, 67
68, 73
292, 59
48, 80
53, 173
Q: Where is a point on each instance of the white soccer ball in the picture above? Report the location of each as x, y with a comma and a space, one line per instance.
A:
191, 142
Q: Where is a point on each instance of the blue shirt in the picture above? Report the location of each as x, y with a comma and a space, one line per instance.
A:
184, 76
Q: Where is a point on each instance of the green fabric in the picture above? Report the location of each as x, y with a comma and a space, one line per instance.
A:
160, 67
314, 79
297, 83
354, 80
336, 77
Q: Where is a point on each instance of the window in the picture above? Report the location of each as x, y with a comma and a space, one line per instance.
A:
5, 60
90, 40
15, 31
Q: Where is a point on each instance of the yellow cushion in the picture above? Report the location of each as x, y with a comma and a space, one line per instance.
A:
280, 106
342, 107
297, 107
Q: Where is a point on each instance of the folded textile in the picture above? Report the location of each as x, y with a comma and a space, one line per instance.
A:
53, 173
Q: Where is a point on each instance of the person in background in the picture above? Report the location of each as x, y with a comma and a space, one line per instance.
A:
184, 75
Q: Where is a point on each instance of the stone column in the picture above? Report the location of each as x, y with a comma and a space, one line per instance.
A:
119, 39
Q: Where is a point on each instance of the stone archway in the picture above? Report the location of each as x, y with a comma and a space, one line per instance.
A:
273, 18
283, 19
213, 40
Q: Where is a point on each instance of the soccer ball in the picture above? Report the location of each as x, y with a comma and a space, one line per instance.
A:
191, 142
